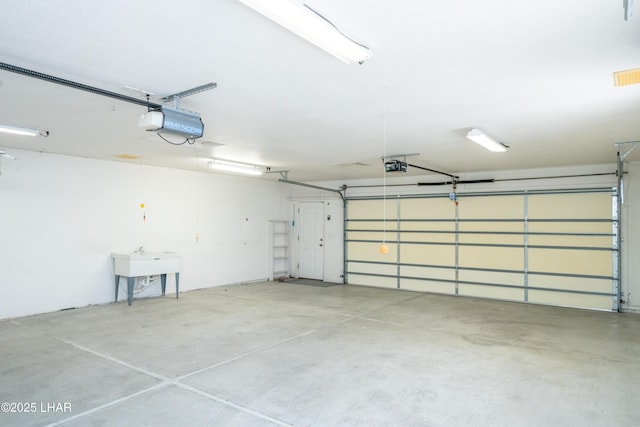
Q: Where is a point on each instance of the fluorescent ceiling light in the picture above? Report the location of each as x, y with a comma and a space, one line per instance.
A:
628, 9
311, 26
229, 166
19, 130
487, 142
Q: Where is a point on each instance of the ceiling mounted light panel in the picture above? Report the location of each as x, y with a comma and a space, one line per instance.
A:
479, 137
235, 167
311, 26
16, 130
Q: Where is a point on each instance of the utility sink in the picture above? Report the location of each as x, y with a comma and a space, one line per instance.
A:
145, 264
136, 264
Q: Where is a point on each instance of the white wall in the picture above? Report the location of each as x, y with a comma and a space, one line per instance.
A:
61, 217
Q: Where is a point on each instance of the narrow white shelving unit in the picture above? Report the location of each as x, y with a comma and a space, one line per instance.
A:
278, 250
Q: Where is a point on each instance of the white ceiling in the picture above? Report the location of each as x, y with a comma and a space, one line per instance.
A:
536, 75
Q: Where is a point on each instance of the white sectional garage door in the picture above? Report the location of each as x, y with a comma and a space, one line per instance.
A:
554, 248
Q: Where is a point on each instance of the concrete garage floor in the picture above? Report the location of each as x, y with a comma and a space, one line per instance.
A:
269, 354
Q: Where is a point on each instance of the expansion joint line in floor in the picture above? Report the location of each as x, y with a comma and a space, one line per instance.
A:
231, 404
107, 405
165, 381
95, 353
249, 353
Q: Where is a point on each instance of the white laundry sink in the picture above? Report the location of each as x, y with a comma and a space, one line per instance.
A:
146, 264
139, 263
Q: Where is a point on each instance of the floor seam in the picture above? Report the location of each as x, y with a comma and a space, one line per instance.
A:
165, 381
231, 404
247, 354
108, 404
96, 353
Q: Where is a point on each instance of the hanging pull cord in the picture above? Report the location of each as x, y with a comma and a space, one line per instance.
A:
453, 196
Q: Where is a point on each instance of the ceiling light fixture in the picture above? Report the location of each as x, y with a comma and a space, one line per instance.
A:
237, 167
479, 137
313, 27
628, 9
16, 130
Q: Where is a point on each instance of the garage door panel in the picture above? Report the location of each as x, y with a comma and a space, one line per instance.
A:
427, 208
377, 236
378, 282
430, 286
575, 206
370, 251
448, 226
373, 225
373, 269
428, 254
370, 209
492, 226
428, 237
570, 299
428, 272
581, 284
491, 257
491, 207
491, 277
586, 262
581, 241
601, 227
495, 292
371, 274
496, 239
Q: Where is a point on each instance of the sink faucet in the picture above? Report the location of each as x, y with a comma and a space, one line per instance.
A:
141, 250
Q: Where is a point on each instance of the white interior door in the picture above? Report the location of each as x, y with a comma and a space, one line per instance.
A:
311, 240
